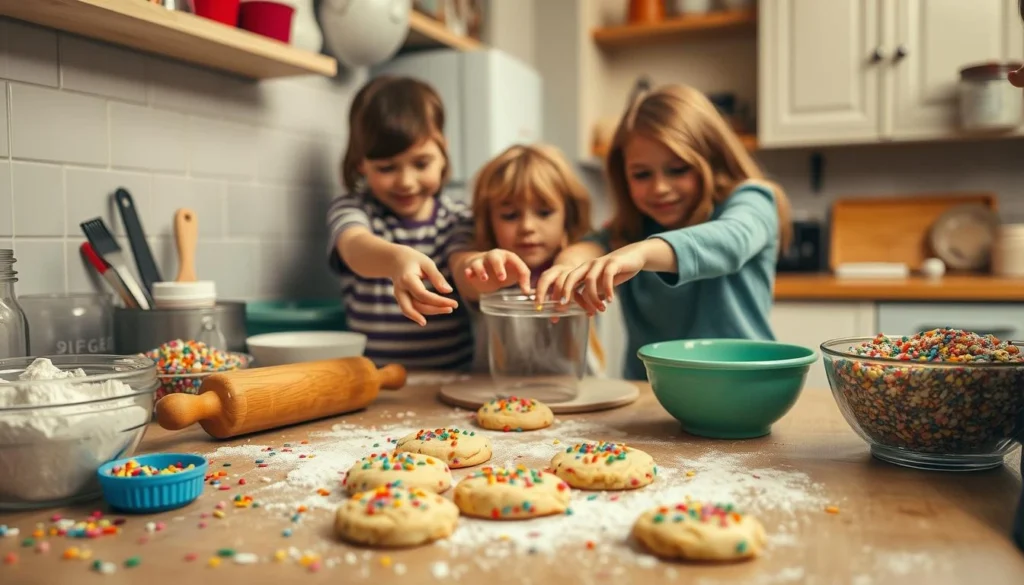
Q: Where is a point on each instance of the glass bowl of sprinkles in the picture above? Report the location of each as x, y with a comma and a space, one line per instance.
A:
182, 365
944, 399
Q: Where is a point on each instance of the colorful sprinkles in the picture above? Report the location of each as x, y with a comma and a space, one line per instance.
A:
700, 512
385, 497
178, 361
131, 468
600, 451
950, 396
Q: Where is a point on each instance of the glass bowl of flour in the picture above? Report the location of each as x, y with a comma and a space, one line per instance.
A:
62, 417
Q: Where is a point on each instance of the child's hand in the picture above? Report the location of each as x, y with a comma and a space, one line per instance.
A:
411, 268
552, 283
497, 268
594, 282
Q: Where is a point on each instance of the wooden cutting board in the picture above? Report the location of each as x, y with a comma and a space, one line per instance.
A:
891, 228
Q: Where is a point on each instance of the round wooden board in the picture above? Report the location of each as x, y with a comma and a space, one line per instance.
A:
594, 394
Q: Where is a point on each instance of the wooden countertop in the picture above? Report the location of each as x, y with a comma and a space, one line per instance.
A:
894, 524
826, 287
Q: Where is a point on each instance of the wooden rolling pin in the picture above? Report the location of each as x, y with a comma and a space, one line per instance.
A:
248, 401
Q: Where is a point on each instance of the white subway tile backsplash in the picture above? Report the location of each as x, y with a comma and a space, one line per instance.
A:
145, 138
204, 197
4, 151
41, 267
92, 67
286, 157
38, 191
6, 201
58, 126
239, 259
184, 88
28, 53
90, 193
257, 211
222, 149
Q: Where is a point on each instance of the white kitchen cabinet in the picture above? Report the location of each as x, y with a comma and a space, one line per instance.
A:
931, 41
816, 81
854, 71
811, 323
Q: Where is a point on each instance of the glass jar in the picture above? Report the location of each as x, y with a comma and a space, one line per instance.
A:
535, 349
14, 341
69, 324
987, 100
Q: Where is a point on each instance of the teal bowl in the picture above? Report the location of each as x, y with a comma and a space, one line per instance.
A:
727, 388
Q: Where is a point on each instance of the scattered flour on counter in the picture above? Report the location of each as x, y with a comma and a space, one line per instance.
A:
605, 518
54, 453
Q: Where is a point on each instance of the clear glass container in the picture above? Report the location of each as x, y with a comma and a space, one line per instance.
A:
55, 434
14, 338
535, 349
69, 324
928, 415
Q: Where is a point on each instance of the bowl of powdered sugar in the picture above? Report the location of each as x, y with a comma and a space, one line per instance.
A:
62, 417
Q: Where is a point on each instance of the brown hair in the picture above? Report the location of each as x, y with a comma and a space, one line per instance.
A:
686, 122
388, 116
521, 172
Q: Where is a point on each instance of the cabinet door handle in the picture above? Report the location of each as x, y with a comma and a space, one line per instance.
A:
877, 55
901, 52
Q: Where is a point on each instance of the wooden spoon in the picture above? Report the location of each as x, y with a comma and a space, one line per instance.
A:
186, 234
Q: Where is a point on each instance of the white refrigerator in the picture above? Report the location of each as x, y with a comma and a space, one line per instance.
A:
492, 100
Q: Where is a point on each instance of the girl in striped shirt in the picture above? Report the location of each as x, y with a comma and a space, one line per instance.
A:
527, 205
393, 230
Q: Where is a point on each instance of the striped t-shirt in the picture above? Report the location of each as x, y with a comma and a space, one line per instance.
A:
446, 342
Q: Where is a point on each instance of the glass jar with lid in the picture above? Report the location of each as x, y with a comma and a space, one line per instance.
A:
13, 324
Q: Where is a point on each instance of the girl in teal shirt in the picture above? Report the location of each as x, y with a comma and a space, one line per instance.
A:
691, 249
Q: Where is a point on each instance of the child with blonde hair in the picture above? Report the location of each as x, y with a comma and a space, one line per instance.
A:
394, 230
692, 246
527, 207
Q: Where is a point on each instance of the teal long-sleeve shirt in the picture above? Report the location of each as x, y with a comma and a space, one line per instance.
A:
724, 281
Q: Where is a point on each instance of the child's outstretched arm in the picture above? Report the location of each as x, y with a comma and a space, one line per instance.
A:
748, 223
479, 273
371, 256
552, 282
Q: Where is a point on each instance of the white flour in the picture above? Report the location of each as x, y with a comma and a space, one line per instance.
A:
604, 519
54, 453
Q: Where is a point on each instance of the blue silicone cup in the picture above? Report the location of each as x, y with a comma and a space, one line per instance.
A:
154, 493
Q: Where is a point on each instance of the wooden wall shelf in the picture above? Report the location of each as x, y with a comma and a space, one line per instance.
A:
174, 34
712, 23
429, 33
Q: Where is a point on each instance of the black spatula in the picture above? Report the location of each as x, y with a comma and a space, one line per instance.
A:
148, 271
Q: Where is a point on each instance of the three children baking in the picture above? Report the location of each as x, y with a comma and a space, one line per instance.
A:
694, 224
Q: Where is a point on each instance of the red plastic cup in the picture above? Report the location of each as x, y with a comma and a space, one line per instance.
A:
223, 11
270, 19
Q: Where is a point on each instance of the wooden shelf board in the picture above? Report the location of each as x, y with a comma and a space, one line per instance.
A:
682, 26
429, 33
174, 34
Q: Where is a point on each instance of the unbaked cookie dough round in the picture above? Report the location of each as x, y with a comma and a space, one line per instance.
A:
395, 517
700, 531
604, 466
411, 470
514, 414
457, 447
500, 493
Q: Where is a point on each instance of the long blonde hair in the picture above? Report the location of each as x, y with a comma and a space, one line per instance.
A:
521, 172
687, 123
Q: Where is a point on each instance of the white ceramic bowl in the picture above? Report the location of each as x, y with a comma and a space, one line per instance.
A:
289, 347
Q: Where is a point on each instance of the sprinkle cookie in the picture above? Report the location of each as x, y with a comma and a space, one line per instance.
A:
457, 447
411, 470
907, 400
395, 517
516, 493
514, 414
604, 466
700, 531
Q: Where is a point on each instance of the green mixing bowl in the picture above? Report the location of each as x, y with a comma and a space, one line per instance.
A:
726, 388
